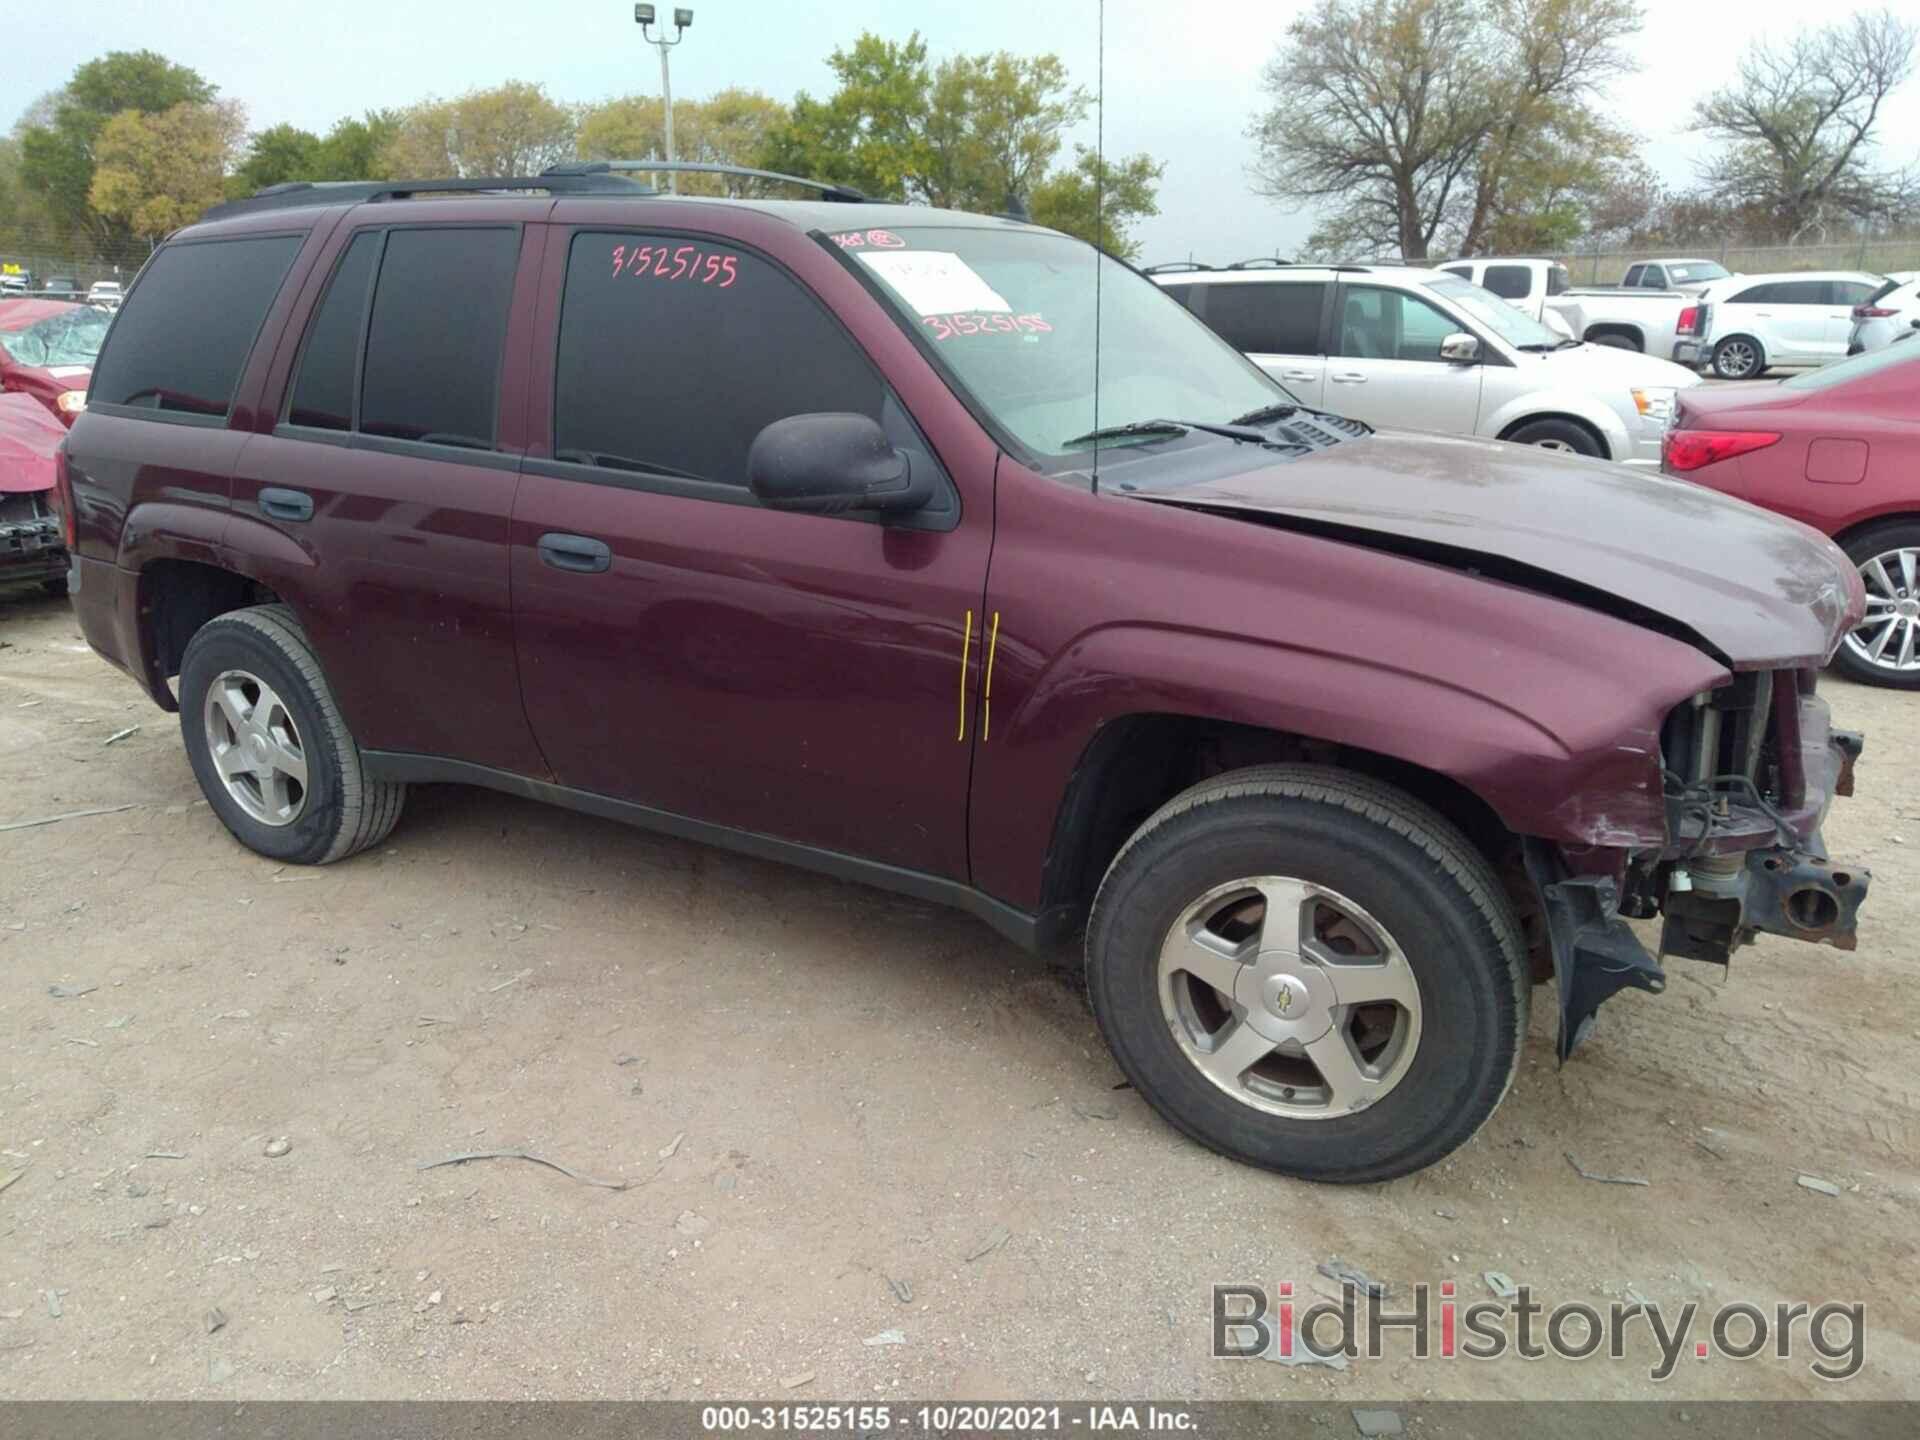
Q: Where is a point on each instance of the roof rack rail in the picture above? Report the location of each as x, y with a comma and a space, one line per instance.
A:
1260, 262
828, 189
1175, 267
295, 193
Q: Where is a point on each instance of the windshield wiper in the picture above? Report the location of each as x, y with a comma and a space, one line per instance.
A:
1265, 415
1540, 348
1132, 427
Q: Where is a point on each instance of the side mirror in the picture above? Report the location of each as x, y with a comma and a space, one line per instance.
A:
830, 462
1460, 349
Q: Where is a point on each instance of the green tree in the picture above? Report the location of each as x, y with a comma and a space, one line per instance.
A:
1125, 191
729, 128
276, 155
511, 129
871, 133
57, 149
155, 173
355, 149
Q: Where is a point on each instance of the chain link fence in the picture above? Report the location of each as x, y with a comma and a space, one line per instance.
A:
1606, 267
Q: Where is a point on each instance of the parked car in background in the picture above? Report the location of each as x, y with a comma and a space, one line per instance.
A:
1644, 320
1689, 276
1891, 313
61, 287
1838, 449
31, 547
47, 349
14, 283
943, 552
104, 292
1421, 350
1750, 322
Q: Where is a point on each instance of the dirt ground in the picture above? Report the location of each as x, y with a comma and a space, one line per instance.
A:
837, 1114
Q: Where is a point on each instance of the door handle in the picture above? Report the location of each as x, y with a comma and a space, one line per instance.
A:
1347, 377
575, 552
291, 505
1299, 375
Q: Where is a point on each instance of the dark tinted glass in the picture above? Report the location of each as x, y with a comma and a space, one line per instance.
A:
1757, 295
1267, 319
323, 393
675, 354
1848, 292
433, 344
1634, 272
1801, 292
1654, 279
185, 330
1182, 293
1509, 282
1558, 282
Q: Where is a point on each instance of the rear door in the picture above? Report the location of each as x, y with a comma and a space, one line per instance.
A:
685, 649
1799, 312
377, 504
1842, 296
1277, 324
1387, 370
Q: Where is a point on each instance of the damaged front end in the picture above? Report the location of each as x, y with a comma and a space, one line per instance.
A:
1748, 773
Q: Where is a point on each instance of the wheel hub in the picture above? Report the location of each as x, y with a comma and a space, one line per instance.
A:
1286, 998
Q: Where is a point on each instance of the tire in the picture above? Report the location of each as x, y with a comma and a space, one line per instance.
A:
1738, 357
1389, 862
1883, 554
259, 659
56, 587
1562, 435
1614, 342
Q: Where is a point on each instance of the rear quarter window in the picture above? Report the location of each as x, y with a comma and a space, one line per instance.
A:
184, 333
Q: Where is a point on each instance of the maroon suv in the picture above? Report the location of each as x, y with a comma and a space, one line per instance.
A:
820, 530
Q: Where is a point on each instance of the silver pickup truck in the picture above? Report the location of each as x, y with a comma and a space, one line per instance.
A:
1627, 317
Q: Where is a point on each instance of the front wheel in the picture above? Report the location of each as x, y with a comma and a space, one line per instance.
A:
1561, 435
269, 747
1310, 971
1885, 648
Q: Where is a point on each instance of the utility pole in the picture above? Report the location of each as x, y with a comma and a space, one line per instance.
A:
643, 16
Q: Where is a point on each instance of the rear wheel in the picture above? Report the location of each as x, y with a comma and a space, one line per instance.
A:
56, 587
1561, 435
1885, 648
1311, 972
1614, 341
1738, 357
269, 747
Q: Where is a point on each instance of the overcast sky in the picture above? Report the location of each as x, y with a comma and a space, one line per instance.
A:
1182, 80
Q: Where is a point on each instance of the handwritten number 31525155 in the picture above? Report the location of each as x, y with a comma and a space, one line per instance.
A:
670, 262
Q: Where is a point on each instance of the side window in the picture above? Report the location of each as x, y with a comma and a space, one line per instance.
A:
1801, 292
188, 325
1757, 295
1655, 278
1558, 281
1849, 292
434, 337
1268, 318
1634, 272
323, 388
1380, 324
1182, 293
1509, 282
676, 353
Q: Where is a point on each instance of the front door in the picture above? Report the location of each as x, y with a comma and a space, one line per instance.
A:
685, 649
1387, 369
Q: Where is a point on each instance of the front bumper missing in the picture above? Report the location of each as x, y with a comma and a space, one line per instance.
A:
1781, 890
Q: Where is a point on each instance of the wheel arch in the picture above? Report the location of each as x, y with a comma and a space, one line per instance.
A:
1570, 417
1618, 328
1896, 513
176, 598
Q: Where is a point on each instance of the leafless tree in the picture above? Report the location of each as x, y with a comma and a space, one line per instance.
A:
1798, 125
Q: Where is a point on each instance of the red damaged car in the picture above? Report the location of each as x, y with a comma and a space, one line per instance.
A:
47, 349
31, 548
825, 530
1838, 449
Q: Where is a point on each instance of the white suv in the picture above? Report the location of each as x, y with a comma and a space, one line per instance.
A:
1797, 318
1414, 349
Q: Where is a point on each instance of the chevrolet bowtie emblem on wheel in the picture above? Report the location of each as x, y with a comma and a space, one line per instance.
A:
1283, 1002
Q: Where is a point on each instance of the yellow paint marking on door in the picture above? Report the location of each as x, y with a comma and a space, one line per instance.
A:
966, 647
986, 706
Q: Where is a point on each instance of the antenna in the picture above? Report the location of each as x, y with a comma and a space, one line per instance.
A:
1099, 199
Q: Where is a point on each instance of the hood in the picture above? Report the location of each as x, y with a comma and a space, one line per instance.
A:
28, 437
1757, 590
1601, 365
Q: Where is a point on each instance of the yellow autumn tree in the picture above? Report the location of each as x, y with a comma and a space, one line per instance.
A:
156, 172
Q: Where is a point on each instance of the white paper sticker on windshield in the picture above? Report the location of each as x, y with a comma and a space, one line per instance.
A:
67, 372
934, 282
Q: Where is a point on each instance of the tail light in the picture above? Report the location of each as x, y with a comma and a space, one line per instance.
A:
1872, 312
63, 498
1689, 318
1684, 450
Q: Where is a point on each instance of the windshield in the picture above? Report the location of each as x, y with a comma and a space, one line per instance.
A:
1695, 272
1514, 327
1011, 317
1901, 352
70, 338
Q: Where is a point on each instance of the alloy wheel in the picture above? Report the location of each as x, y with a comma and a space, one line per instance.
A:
1888, 638
256, 748
1290, 997
1735, 360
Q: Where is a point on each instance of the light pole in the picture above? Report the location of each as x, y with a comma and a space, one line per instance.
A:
643, 17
